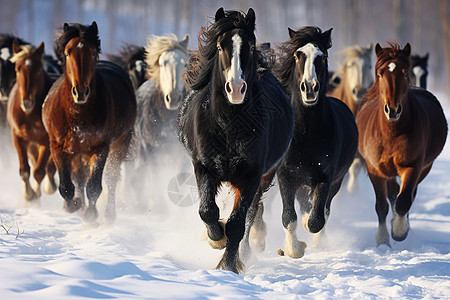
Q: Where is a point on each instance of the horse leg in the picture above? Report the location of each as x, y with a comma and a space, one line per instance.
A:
39, 168
392, 191
50, 184
208, 209
317, 217
255, 227
353, 171
292, 246
235, 226
94, 184
381, 207
24, 168
400, 221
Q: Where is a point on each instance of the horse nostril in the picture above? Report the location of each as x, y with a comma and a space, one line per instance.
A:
167, 98
303, 86
316, 87
74, 91
244, 87
386, 108
228, 87
86, 93
399, 110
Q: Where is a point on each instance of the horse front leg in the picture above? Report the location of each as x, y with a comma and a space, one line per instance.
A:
94, 184
50, 184
63, 163
400, 221
208, 209
40, 168
24, 168
235, 226
382, 208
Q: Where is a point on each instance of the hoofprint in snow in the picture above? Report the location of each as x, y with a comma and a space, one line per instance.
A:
158, 252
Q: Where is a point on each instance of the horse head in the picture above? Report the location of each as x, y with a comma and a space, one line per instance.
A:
311, 62
80, 59
392, 78
235, 52
29, 67
357, 71
419, 70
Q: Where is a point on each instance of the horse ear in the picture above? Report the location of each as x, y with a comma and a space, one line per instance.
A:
250, 17
407, 49
39, 49
291, 33
94, 27
15, 46
425, 58
378, 49
220, 14
185, 41
327, 36
369, 47
66, 27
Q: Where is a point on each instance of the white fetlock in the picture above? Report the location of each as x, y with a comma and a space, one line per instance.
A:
382, 236
292, 246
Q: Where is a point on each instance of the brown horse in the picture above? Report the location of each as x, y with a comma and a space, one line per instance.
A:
89, 115
24, 115
402, 131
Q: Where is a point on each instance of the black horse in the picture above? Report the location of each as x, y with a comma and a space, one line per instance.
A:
237, 124
132, 59
325, 137
418, 72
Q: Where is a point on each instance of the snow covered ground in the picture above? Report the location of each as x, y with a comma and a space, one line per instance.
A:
159, 252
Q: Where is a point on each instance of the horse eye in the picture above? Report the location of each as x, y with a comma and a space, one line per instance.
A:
379, 75
253, 48
219, 49
66, 54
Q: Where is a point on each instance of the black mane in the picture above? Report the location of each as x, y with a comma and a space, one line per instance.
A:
6, 40
128, 55
202, 62
309, 34
74, 30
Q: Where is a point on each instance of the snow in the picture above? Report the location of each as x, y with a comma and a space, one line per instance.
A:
160, 252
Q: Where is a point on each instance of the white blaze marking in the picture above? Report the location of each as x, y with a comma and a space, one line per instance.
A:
418, 73
28, 62
391, 67
235, 71
139, 65
5, 54
311, 51
80, 45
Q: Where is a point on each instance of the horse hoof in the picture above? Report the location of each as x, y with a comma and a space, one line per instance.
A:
219, 244
90, 215
399, 227
73, 205
49, 186
296, 250
237, 267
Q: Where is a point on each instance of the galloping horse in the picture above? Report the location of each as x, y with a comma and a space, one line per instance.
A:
418, 71
236, 124
24, 115
132, 59
325, 137
355, 77
89, 115
402, 131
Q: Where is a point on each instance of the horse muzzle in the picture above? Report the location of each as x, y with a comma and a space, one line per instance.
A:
309, 92
236, 91
392, 114
173, 100
80, 95
357, 93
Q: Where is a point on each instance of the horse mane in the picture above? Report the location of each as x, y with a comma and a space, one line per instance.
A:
127, 54
24, 51
6, 40
74, 30
202, 62
286, 65
157, 45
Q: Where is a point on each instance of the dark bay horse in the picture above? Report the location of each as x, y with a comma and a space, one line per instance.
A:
325, 137
89, 115
236, 124
24, 115
132, 59
418, 71
402, 131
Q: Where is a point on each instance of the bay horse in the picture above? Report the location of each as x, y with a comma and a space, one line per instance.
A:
236, 124
402, 131
24, 116
132, 59
355, 78
89, 115
418, 72
325, 136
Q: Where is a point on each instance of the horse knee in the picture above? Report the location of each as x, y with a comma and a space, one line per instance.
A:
67, 190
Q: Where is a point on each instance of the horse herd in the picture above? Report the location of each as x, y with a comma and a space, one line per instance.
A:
244, 112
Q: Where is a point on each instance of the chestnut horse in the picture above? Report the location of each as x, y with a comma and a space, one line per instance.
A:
89, 115
237, 125
24, 116
402, 131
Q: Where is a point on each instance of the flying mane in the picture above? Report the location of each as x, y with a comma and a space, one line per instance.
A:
157, 45
24, 51
71, 31
202, 61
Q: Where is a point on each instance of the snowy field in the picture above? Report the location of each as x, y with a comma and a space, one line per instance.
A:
159, 253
